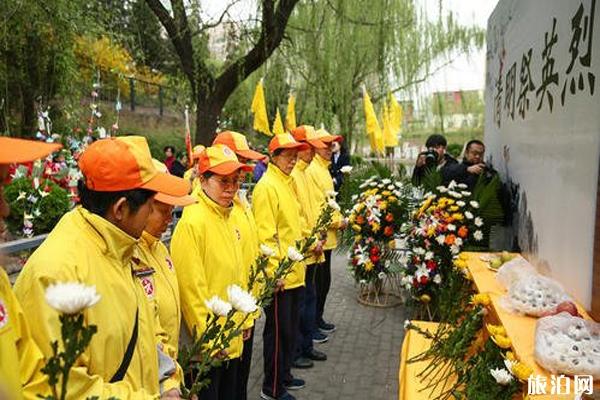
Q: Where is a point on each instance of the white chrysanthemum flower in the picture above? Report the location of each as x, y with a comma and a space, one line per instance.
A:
474, 204
501, 375
442, 189
441, 239
406, 323
468, 215
372, 184
391, 187
331, 203
241, 300
381, 275
461, 186
362, 281
71, 297
451, 227
363, 185
346, 169
294, 254
218, 306
452, 185
419, 250
266, 250
454, 249
458, 241
428, 255
478, 221
465, 193
478, 235
461, 203
354, 197
437, 279
386, 181
509, 365
454, 194
331, 193
22, 196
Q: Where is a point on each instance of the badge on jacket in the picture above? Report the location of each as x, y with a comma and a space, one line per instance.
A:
3, 314
148, 286
169, 263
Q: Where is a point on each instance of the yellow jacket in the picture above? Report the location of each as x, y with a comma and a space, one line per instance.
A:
245, 225
318, 171
162, 287
86, 248
277, 214
207, 255
21, 360
309, 208
187, 175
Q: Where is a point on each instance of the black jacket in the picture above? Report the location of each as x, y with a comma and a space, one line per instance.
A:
335, 169
459, 174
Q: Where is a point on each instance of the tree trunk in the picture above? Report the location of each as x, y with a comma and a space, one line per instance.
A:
208, 111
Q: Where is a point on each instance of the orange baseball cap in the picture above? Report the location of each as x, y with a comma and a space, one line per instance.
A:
238, 143
197, 150
327, 137
221, 160
181, 201
124, 163
285, 141
13, 150
307, 134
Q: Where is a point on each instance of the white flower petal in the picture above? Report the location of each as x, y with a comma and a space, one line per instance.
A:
241, 300
218, 306
71, 297
294, 254
266, 250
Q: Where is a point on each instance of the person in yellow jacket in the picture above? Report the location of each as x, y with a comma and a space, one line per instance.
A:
305, 351
318, 171
244, 222
277, 213
191, 175
207, 254
159, 278
21, 360
94, 244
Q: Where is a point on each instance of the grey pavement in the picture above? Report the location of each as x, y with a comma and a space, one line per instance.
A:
363, 353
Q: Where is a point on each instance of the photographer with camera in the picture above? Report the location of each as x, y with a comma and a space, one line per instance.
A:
434, 158
471, 167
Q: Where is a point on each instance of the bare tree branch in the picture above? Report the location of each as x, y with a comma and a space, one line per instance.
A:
206, 27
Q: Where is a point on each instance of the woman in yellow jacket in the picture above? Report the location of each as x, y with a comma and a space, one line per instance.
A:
21, 360
323, 183
160, 280
94, 244
244, 222
206, 251
277, 213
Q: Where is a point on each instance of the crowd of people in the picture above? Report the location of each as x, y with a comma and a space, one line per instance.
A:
152, 297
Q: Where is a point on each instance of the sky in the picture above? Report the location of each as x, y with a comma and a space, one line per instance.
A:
464, 73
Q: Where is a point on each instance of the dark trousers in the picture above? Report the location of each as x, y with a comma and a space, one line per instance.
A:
323, 283
244, 369
223, 382
279, 337
308, 312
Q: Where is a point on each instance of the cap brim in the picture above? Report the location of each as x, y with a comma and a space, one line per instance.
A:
13, 150
317, 144
168, 184
296, 145
229, 167
331, 139
250, 154
180, 201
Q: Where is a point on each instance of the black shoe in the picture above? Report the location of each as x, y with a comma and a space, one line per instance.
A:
295, 384
326, 327
285, 396
319, 337
316, 355
303, 363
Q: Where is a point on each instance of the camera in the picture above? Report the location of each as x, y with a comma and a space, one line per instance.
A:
431, 158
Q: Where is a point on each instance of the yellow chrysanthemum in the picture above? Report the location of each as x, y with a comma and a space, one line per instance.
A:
351, 218
496, 330
521, 370
383, 205
431, 231
460, 264
356, 228
509, 355
357, 238
392, 199
375, 227
386, 193
425, 298
482, 299
502, 341
458, 216
463, 256
451, 201
368, 266
453, 208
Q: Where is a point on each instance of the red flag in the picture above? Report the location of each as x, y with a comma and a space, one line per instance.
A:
188, 138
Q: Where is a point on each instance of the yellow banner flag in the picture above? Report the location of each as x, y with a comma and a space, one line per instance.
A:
259, 109
390, 138
372, 125
277, 124
396, 114
290, 115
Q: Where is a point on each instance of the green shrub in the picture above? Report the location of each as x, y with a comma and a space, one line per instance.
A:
454, 149
45, 211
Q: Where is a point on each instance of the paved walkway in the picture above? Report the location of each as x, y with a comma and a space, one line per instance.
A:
363, 352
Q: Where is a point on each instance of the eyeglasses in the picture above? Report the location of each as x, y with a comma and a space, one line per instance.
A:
227, 182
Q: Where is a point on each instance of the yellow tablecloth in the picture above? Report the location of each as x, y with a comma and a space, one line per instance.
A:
519, 328
410, 384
